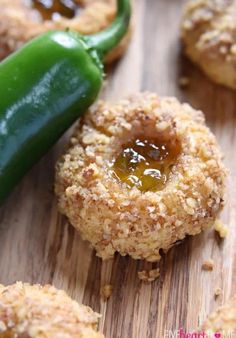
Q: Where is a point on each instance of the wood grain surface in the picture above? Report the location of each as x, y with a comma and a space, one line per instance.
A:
37, 245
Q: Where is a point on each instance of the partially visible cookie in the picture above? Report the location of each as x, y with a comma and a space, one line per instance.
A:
209, 35
34, 311
20, 21
223, 320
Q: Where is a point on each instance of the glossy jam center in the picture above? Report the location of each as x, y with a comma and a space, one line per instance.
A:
146, 164
51, 9
7, 334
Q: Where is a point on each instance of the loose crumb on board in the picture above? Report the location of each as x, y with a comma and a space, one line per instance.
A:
149, 275
208, 265
218, 292
106, 291
221, 229
184, 81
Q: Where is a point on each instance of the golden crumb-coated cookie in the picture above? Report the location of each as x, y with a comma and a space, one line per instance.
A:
223, 320
34, 311
115, 217
20, 22
209, 36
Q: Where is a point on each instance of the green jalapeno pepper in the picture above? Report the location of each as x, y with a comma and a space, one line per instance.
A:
44, 87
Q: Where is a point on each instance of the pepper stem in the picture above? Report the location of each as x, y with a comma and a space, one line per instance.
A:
106, 40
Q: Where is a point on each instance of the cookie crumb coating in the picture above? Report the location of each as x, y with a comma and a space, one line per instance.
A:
209, 36
19, 23
223, 320
44, 312
114, 217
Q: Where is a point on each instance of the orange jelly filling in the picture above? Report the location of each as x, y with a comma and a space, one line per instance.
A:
7, 334
146, 164
49, 9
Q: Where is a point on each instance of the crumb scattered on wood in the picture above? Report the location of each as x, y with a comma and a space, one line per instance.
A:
184, 81
106, 291
221, 229
149, 275
218, 292
208, 265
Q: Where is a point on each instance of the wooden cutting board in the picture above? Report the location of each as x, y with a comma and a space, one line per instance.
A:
37, 245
